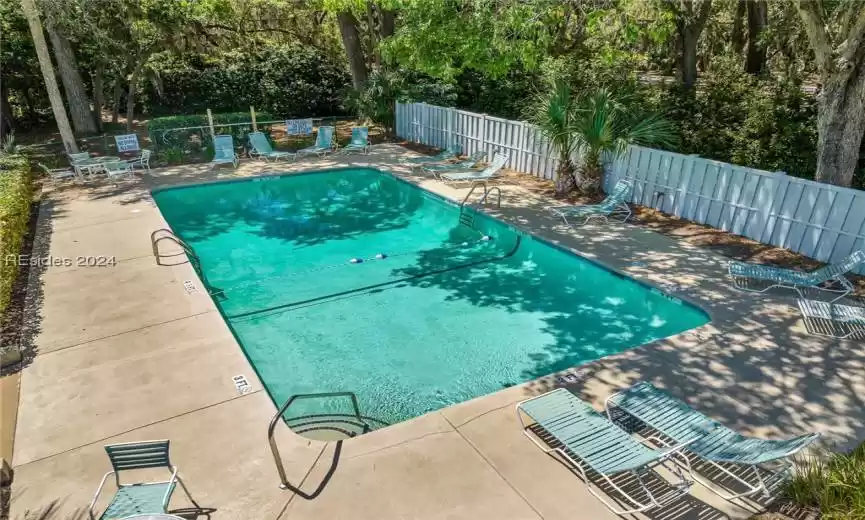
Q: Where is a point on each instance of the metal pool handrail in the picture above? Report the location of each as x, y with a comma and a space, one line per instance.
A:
487, 191
274, 449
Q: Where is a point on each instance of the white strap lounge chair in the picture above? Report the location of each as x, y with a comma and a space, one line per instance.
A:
487, 173
448, 154
832, 319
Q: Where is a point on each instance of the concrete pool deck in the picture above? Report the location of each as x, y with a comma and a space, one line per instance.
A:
127, 353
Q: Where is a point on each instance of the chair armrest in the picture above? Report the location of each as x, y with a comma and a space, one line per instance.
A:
168, 490
96, 496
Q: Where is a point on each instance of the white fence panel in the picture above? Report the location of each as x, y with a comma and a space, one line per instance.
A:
818, 220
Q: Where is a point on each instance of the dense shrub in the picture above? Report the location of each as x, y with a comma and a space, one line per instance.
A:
831, 483
289, 81
737, 118
15, 194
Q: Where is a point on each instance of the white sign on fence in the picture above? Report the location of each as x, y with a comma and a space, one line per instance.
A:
298, 126
127, 143
818, 220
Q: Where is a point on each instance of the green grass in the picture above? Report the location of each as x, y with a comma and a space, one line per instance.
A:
833, 483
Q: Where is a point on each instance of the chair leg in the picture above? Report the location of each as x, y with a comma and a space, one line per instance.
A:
188, 495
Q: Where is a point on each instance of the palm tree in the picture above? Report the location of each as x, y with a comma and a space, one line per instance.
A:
604, 129
31, 12
553, 112
594, 129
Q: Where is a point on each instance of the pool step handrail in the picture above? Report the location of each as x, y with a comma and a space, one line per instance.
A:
166, 234
356, 419
468, 219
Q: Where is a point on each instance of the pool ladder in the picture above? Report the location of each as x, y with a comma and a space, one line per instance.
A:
467, 218
349, 425
165, 234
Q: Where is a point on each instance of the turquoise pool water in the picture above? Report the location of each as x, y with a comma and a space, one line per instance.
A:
353, 280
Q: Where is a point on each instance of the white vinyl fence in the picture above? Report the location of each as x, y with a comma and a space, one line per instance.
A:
818, 220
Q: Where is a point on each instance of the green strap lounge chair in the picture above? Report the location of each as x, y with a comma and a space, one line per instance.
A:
449, 153
832, 319
614, 204
261, 148
472, 161
487, 173
359, 140
323, 143
58, 174
589, 441
829, 278
140, 498
118, 170
767, 461
223, 150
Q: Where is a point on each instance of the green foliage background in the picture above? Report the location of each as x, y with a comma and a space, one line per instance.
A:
290, 80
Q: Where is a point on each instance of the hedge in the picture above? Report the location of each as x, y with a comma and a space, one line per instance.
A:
15, 197
289, 81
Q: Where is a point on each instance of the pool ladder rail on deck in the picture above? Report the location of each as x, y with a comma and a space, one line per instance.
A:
468, 218
164, 234
332, 422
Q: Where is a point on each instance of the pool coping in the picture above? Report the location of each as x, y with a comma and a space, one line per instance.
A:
564, 376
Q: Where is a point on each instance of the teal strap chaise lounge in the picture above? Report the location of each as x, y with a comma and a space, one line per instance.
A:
139, 498
261, 149
324, 143
614, 204
359, 141
472, 161
766, 461
588, 440
487, 173
829, 278
451, 152
223, 150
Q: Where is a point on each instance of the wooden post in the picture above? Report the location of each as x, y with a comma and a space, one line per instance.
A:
210, 122
252, 113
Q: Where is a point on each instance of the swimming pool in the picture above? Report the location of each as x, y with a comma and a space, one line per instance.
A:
354, 280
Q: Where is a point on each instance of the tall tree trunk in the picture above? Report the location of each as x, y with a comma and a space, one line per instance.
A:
115, 101
5, 112
691, 17
130, 94
98, 93
32, 15
738, 35
758, 19
353, 48
840, 59
387, 23
688, 64
73, 85
840, 126
373, 56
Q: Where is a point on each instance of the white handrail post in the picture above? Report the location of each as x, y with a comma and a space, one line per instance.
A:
252, 113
